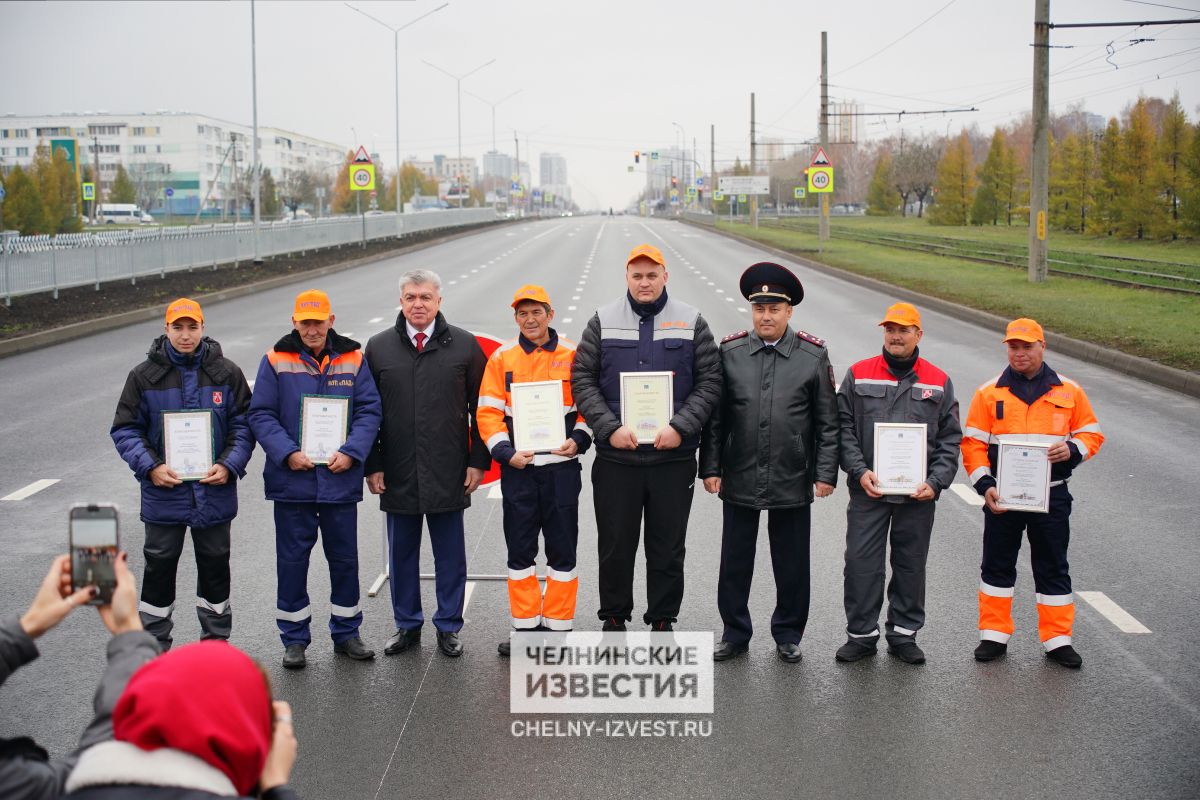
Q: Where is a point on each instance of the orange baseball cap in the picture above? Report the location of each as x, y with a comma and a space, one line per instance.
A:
530, 292
313, 304
184, 307
646, 251
1024, 330
902, 314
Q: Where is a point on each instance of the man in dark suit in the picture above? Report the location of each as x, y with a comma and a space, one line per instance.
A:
429, 457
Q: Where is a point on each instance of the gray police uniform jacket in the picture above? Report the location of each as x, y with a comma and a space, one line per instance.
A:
870, 393
775, 431
25, 772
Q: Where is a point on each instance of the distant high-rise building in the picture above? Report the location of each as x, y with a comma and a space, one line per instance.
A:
843, 122
498, 165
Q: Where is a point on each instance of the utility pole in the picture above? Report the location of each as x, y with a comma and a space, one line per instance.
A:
517, 167
254, 99
1040, 169
823, 226
712, 165
753, 165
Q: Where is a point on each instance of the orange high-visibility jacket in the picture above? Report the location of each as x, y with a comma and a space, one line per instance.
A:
997, 415
520, 361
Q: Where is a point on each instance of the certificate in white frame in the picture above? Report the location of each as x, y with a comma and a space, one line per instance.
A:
1023, 477
647, 403
537, 415
901, 456
324, 425
188, 448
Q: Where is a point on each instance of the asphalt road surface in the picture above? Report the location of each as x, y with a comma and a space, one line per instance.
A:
420, 725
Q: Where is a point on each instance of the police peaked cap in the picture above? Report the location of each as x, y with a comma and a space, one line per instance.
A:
766, 282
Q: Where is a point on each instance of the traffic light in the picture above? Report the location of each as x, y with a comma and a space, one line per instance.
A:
674, 182
637, 157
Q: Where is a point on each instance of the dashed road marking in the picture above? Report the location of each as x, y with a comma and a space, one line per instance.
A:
470, 590
373, 320
30, 490
571, 308
566, 320
1113, 612
969, 495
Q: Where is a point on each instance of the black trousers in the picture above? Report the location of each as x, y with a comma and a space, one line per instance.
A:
163, 547
623, 495
788, 531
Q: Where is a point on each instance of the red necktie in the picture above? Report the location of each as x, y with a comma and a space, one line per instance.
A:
420, 337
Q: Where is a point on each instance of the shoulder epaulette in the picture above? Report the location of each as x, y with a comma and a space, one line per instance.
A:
733, 336
808, 337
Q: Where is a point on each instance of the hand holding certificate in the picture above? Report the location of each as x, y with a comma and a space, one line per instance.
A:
647, 403
188, 443
900, 457
537, 415
324, 425
1023, 477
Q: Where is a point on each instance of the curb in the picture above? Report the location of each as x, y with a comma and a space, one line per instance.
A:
77, 330
1178, 380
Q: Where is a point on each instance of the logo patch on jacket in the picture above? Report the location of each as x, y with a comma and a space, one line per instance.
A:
926, 394
217, 397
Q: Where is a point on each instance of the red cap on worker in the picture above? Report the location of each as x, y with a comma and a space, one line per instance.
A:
1024, 330
313, 304
905, 314
646, 251
530, 292
184, 307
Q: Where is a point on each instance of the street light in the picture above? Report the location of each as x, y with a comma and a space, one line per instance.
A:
682, 151
396, 46
493, 105
458, 79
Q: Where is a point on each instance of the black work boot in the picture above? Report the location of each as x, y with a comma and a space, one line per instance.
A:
989, 650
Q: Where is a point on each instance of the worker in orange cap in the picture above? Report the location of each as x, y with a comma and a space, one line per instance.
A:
541, 486
1028, 402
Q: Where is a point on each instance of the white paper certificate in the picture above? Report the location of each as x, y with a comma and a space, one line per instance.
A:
188, 443
537, 415
900, 456
647, 402
324, 425
1023, 477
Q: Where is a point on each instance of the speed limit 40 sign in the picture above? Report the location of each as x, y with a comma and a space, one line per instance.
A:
362, 177
820, 179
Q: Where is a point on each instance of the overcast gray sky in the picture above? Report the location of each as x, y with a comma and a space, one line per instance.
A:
597, 80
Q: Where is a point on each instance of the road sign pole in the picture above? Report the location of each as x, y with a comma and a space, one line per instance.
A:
823, 226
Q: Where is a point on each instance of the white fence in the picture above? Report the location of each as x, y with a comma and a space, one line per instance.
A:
34, 264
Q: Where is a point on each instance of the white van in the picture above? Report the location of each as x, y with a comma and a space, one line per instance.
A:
121, 214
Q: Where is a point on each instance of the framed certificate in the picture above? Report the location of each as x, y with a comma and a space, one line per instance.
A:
900, 456
537, 415
324, 425
647, 402
188, 443
1023, 477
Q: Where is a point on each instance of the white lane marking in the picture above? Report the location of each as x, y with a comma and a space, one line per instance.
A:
729, 299
741, 310
348, 334
494, 493
574, 297
1113, 612
720, 291
571, 308
373, 320
566, 320
30, 490
453, 282
467, 595
969, 495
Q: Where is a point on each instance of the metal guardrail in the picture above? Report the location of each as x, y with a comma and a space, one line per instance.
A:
33, 264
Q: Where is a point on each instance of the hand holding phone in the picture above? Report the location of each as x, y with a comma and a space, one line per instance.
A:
54, 599
95, 544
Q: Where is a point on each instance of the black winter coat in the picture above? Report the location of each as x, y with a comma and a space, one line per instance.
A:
775, 431
429, 434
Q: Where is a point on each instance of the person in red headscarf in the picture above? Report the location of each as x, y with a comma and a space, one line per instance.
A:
171, 740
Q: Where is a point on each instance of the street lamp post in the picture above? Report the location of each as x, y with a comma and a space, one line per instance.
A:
458, 79
396, 48
493, 105
254, 101
682, 151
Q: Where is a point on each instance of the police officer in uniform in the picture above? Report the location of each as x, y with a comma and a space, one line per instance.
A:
771, 444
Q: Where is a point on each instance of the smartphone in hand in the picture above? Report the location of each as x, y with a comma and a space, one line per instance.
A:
95, 543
